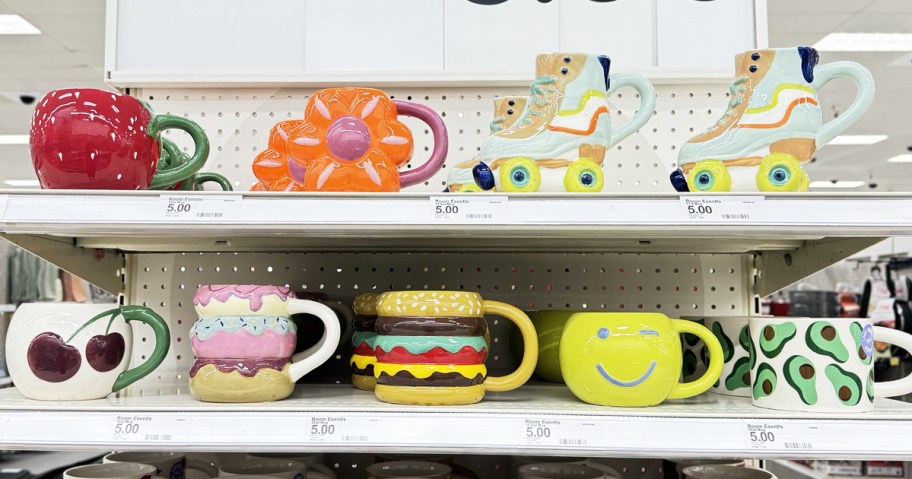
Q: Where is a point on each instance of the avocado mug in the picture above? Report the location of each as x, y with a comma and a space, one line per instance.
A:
820, 365
731, 331
631, 359
431, 348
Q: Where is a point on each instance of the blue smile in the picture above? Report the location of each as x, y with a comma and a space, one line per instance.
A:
626, 384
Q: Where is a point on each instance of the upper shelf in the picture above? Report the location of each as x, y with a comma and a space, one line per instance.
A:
138, 221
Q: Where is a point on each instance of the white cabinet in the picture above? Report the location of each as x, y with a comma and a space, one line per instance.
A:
699, 34
501, 38
624, 30
367, 35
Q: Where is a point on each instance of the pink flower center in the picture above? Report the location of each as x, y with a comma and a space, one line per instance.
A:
348, 138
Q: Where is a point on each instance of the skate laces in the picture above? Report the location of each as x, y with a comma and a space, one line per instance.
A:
539, 96
736, 90
496, 124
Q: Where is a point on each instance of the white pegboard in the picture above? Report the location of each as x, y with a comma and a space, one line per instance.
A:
678, 285
238, 122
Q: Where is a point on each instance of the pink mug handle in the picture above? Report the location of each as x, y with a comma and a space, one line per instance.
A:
438, 154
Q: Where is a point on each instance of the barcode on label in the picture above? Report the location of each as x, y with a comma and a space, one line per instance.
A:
798, 445
158, 437
355, 438
572, 442
209, 215
479, 216
742, 216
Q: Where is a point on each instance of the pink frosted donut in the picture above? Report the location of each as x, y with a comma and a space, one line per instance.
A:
239, 337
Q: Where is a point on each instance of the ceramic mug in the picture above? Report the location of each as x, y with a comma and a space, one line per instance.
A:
309, 330
516, 462
350, 140
313, 461
556, 470
395, 469
732, 333
548, 325
170, 465
172, 157
245, 339
125, 470
726, 472
431, 347
66, 351
363, 339
820, 365
681, 464
82, 138
631, 359
258, 466
507, 109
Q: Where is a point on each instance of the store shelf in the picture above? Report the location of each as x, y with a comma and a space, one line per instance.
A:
172, 419
137, 222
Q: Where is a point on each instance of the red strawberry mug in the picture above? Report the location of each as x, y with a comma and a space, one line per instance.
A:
97, 139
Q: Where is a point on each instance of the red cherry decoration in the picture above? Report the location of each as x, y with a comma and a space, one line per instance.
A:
51, 359
104, 353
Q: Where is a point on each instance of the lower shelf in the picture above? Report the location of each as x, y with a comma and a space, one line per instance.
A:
535, 419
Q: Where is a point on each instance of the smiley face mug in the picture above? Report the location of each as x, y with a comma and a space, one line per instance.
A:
631, 359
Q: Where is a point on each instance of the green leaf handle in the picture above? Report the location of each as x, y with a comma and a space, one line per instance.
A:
162, 343
185, 169
196, 182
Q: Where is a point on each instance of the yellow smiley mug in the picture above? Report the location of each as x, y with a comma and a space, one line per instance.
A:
632, 359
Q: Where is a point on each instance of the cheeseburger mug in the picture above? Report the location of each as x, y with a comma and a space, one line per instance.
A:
631, 359
820, 365
431, 348
363, 338
731, 331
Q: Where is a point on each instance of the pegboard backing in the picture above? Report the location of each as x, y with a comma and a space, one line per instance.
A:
681, 285
238, 122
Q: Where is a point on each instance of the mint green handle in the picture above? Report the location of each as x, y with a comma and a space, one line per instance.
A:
162, 343
647, 103
864, 82
179, 171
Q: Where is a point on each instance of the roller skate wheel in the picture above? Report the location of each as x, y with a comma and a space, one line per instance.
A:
520, 175
781, 172
584, 176
709, 175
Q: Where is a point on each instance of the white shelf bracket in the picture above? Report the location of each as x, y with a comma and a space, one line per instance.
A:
101, 267
778, 269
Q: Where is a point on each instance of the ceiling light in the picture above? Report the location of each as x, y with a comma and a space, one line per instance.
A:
865, 42
837, 184
16, 25
904, 158
22, 182
857, 139
14, 139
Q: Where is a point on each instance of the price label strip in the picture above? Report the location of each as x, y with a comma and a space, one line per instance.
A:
140, 428
723, 209
558, 433
780, 437
339, 429
468, 209
200, 208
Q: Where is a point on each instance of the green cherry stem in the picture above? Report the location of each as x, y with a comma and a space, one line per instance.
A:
112, 312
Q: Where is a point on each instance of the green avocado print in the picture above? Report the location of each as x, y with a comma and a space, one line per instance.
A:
744, 338
800, 374
690, 339
690, 363
740, 376
728, 349
869, 390
846, 384
765, 383
856, 331
774, 336
752, 354
823, 338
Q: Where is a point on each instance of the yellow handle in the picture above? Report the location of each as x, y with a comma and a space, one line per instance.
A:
716, 360
530, 341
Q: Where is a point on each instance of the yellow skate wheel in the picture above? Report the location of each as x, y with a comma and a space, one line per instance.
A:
781, 172
520, 175
584, 176
467, 188
709, 175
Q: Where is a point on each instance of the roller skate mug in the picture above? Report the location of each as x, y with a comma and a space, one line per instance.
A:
772, 126
820, 365
431, 348
631, 359
244, 342
559, 141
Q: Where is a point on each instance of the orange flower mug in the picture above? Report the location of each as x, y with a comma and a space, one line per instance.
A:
349, 140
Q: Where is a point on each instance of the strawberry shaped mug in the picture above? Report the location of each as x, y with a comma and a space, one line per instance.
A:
70, 351
102, 140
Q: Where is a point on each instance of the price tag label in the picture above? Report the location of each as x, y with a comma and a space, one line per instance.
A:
781, 437
723, 208
4, 421
200, 208
469, 208
554, 432
143, 428
337, 429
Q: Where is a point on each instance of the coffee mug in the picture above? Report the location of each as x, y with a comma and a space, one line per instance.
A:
631, 359
726, 472
516, 462
548, 325
67, 351
395, 469
82, 138
170, 465
245, 339
681, 464
257, 466
172, 157
313, 461
363, 358
350, 140
125, 470
309, 331
507, 109
431, 348
820, 365
556, 470
731, 331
